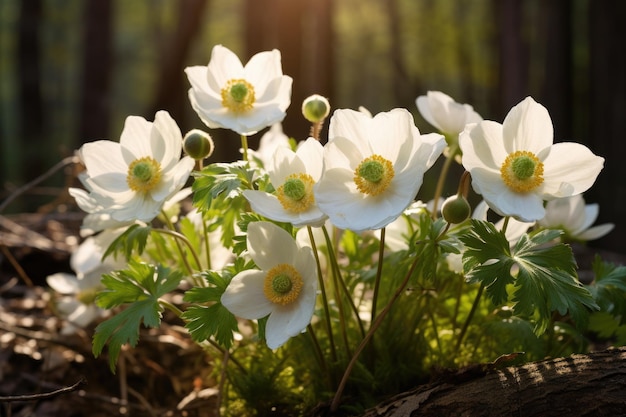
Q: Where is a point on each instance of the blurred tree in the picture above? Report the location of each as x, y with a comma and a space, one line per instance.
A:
98, 66
172, 83
31, 108
302, 31
607, 113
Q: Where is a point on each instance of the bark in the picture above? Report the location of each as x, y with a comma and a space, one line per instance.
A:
582, 385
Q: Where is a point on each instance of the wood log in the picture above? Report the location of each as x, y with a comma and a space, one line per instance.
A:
592, 384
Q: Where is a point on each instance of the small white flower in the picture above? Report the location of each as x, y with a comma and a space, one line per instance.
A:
373, 167
285, 287
271, 140
132, 179
448, 116
245, 99
515, 166
575, 218
293, 175
77, 292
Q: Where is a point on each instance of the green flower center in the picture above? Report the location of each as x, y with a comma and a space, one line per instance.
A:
294, 188
522, 171
143, 174
296, 193
373, 175
238, 96
283, 284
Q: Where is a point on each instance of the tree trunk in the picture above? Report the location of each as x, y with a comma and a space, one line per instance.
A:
582, 385
97, 68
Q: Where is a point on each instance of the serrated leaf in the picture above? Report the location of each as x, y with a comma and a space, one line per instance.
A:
547, 281
487, 259
220, 180
133, 239
123, 328
140, 286
609, 287
212, 321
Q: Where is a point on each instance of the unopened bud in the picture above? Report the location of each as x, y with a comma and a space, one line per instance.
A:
198, 144
456, 209
315, 108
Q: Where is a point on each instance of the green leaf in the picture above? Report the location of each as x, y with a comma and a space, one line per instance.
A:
487, 259
220, 180
212, 321
133, 239
547, 281
140, 286
609, 287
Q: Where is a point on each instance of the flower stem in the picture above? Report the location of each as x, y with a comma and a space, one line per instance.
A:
244, 146
470, 316
442, 177
177, 236
379, 272
207, 243
375, 325
320, 279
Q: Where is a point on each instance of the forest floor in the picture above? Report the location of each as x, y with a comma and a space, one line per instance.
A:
45, 373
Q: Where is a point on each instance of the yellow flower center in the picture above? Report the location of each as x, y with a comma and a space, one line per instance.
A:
238, 95
522, 171
283, 284
296, 194
373, 175
143, 174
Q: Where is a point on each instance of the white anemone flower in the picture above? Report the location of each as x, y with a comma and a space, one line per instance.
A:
293, 175
515, 166
77, 291
448, 116
271, 140
373, 167
575, 218
132, 179
285, 287
245, 99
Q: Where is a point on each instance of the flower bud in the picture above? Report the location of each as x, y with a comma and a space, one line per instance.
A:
456, 209
198, 144
315, 108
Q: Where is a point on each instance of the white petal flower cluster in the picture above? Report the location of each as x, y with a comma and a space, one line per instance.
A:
448, 116
245, 99
515, 166
132, 179
575, 218
77, 291
285, 287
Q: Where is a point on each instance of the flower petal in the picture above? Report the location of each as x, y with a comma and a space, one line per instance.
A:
482, 146
244, 296
527, 127
135, 139
569, 169
269, 245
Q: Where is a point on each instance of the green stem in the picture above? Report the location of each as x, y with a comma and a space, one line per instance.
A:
320, 279
442, 177
171, 307
320, 356
336, 279
379, 272
470, 316
207, 244
375, 325
344, 287
244, 146
180, 237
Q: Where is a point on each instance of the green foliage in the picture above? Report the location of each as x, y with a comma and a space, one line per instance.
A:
545, 281
141, 286
220, 180
207, 317
133, 240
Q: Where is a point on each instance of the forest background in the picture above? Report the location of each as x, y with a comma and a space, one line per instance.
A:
71, 71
